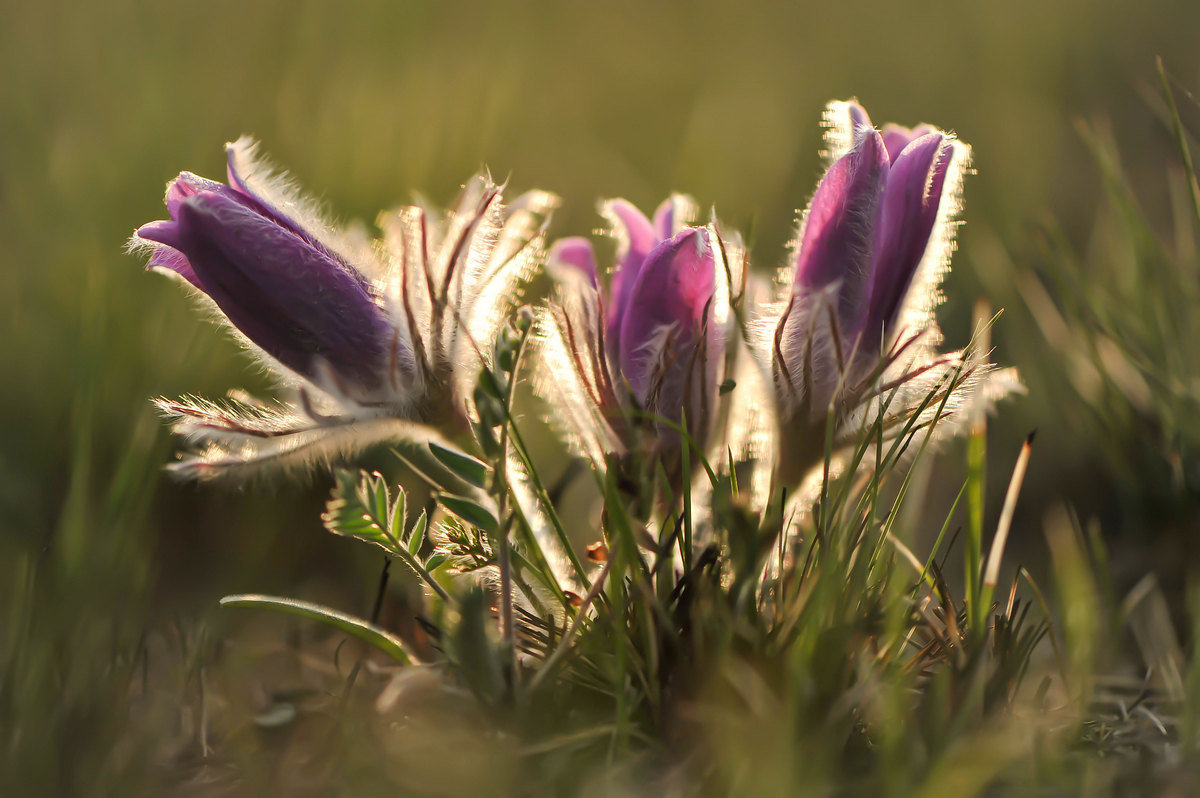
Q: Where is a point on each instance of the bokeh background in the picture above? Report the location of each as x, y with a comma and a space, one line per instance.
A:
368, 103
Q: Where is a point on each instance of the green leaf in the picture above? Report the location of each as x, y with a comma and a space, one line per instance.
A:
417, 538
370, 634
470, 511
378, 500
436, 559
367, 511
361, 506
462, 465
396, 519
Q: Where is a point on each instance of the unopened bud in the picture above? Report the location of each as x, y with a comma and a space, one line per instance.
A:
524, 319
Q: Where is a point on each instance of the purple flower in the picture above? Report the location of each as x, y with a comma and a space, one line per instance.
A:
644, 356
375, 340
290, 295
871, 249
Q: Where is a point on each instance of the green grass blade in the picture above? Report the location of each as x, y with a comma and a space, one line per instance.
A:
372, 635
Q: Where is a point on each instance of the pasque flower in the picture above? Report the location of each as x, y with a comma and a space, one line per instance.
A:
625, 367
377, 341
856, 320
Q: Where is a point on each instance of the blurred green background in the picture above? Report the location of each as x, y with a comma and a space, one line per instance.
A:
367, 103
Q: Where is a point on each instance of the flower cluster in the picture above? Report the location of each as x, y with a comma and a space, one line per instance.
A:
388, 339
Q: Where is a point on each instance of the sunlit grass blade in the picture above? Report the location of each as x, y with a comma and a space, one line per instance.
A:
377, 638
991, 574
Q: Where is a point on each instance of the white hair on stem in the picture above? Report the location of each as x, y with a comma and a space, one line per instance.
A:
523, 495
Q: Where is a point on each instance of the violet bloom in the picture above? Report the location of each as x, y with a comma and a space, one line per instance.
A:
871, 249
292, 296
623, 367
362, 334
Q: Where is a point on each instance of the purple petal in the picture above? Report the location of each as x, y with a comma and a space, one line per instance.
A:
635, 239
843, 121
166, 256
162, 231
286, 296
665, 317
858, 115
906, 219
233, 173
837, 231
574, 253
239, 188
187, 185
897, 137
176, 261
665, 219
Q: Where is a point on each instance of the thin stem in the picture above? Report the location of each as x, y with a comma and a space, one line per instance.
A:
518, 444
500, 489
380, 592
413, 563
507, 632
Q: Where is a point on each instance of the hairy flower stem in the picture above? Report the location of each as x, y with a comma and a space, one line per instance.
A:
421, 571
508, 634
976, 498
539, 489
376, 608
802, 449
